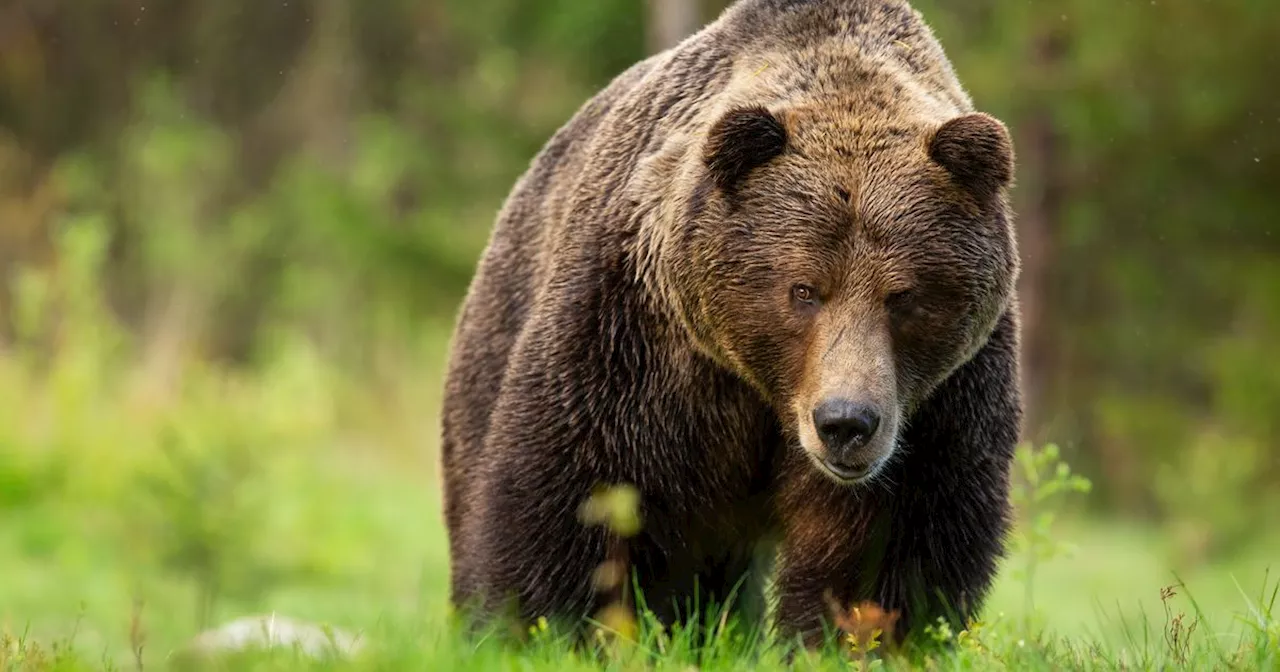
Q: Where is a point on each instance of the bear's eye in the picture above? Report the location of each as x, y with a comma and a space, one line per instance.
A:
804, 294
902, 303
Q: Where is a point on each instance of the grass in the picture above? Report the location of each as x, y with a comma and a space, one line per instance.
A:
76, 610
357, 541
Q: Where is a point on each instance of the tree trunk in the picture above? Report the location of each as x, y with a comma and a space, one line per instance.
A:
1040, 210
670, 21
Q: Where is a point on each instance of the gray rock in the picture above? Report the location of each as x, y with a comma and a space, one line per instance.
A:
270, 631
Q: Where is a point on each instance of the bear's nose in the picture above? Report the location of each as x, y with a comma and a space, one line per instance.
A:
844, 424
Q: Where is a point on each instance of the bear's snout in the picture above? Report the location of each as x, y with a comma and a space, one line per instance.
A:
845, 427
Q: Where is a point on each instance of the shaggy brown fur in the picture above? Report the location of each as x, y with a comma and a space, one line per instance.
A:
794, 211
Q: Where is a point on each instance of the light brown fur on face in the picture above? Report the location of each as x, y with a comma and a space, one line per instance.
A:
851, 358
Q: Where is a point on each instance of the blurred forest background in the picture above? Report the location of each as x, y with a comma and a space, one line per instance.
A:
233, 235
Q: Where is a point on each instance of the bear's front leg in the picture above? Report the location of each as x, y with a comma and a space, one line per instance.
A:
925, 537
924, 554
525, 550
531, 555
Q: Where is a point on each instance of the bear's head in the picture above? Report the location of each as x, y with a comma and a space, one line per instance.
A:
845, 264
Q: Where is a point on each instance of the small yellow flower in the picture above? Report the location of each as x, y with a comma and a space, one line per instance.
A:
620, 621
873, 642
539, 626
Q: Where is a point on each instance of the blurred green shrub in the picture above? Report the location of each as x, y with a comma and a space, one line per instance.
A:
1203, 491
209, 473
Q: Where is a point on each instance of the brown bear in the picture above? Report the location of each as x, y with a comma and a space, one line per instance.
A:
766, 278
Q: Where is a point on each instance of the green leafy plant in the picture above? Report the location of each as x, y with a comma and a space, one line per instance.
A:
1041, 481
204, 517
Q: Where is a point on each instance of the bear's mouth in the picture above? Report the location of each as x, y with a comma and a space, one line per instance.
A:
849, 474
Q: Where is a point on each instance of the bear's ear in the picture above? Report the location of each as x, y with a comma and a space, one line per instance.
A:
742, 140
977, 150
